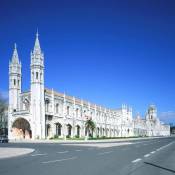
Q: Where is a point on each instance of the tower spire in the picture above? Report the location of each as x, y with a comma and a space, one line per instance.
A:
15, 58
37, 48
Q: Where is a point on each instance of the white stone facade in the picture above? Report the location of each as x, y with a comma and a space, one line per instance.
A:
43, 113
151, 125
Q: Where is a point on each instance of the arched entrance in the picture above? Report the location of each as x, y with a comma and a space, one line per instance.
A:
58, 129
78, 131
98, 131
48, 130
69, 130
21, 129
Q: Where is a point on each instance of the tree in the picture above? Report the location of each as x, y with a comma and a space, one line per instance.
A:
90, 126
3, 108
3, 105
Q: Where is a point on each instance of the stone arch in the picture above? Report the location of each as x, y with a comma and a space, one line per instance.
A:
69, 130
47, 102
98, 131
112, 133
103, 131
78, 129
107, 132
26, 104
48, 130
21, 129
58, 129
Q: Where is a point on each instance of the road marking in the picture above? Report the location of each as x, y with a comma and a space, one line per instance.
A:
152, 152
62, 152
59, 160
146, 155
162, 147
145, 144
104, 153
136, 160
38, 155
78, 150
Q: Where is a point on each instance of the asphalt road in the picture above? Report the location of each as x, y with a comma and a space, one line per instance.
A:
143, 157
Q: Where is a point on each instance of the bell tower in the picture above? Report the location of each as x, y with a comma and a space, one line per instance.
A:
14, 81
37, 91
152, 113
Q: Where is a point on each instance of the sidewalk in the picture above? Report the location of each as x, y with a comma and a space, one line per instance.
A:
13, 152
84, 141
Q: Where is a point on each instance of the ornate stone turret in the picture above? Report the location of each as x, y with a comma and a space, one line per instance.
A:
152, 113
37, 91
14, 81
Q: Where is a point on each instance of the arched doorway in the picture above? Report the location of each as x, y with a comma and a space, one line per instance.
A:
103, 131
69, 130
58, 129
98, 131
48, 130
21, 129
78, 131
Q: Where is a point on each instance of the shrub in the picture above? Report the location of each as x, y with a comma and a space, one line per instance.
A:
56, 137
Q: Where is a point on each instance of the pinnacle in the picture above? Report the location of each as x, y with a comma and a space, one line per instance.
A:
15, 58
37, 48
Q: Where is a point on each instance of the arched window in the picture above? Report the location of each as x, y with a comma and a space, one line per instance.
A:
26, 104
41, 76
14, 82
47, 105
32, 75
37, 75
57, 108
76, 112
68, 110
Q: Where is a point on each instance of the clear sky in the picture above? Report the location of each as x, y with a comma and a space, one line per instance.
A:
107, 52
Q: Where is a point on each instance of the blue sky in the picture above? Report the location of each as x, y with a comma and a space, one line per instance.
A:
107, 52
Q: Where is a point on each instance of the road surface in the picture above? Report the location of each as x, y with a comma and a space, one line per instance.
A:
141, 157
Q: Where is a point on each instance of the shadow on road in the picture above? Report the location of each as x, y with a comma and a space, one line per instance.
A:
167, 169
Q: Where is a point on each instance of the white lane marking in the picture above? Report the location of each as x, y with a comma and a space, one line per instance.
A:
62, 152
78, 150
136, 160
152, 152
59, 160
108, 152
38, 154
162, 147
146, 155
